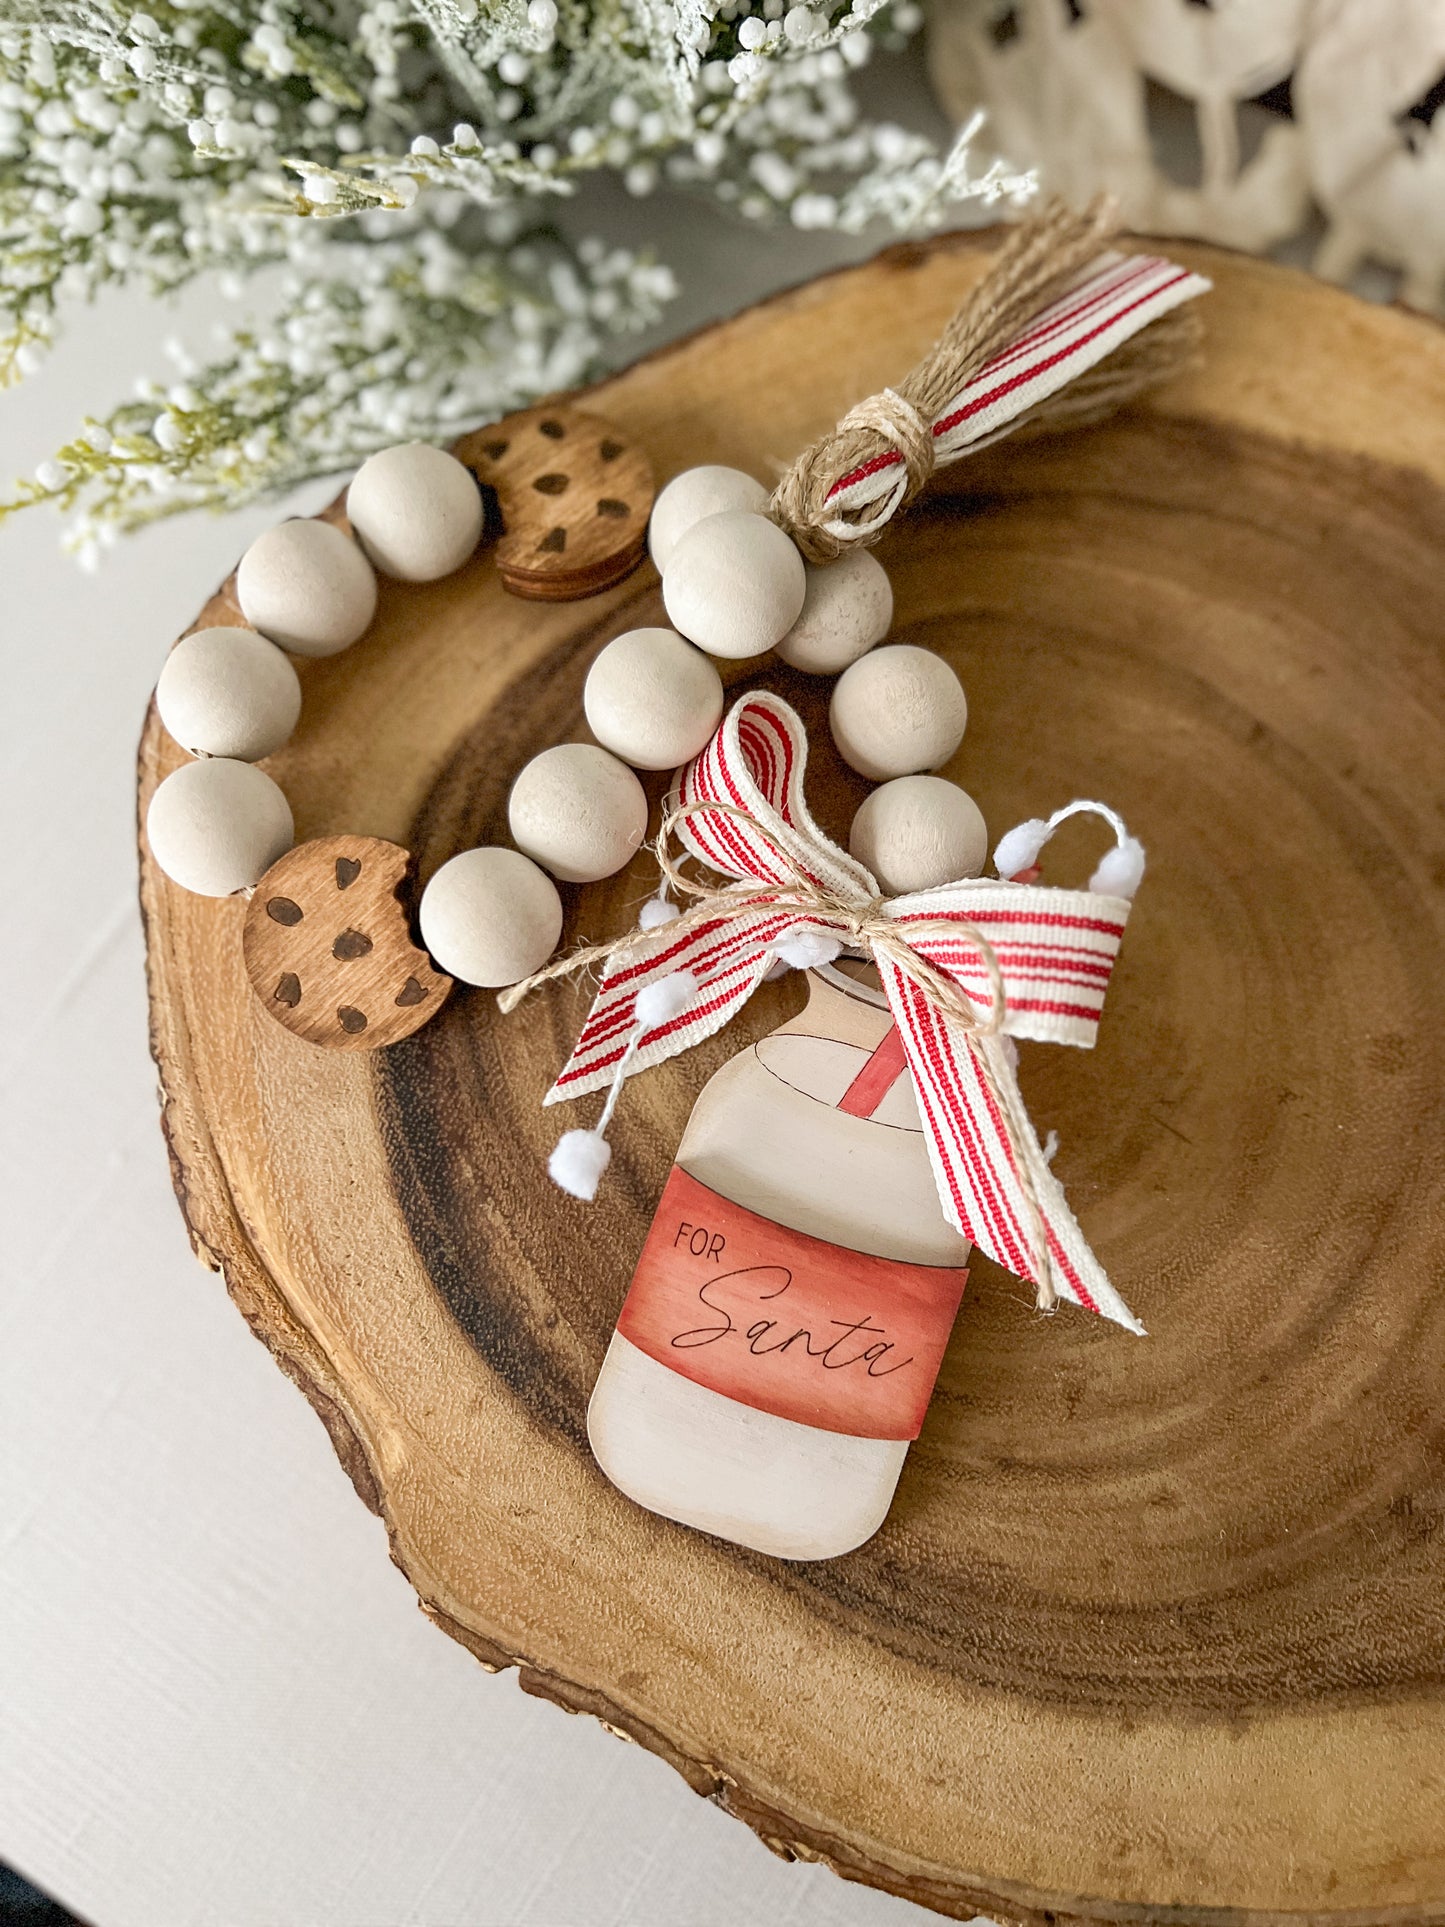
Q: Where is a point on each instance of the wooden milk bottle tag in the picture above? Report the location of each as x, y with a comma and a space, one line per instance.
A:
792, 1325
793, 1301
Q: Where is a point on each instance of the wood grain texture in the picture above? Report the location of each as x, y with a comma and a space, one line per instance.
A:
328, 946
1155, 1631
574, 494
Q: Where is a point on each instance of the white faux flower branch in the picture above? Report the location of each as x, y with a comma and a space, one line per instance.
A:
396, 160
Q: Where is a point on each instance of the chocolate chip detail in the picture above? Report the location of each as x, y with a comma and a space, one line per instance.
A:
494, 451
350, 945
551, 484
553, 543
609, 505
288, 990
610, 450
553, 430
411, 993
283, 910
348, 869
351, 1020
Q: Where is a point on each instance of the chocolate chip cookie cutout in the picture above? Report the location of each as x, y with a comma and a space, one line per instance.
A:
574, 494
328, 945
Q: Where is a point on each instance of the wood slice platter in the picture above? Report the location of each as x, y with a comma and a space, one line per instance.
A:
1155, 1630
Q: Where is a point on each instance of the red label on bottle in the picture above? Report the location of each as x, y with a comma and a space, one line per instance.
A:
786, 1323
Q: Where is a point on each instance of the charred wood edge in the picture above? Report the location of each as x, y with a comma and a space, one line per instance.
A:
226, 1247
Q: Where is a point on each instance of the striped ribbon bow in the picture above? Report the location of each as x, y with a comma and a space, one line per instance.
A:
965, 967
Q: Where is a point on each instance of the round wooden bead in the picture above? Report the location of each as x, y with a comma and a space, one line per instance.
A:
228, 692
652, 699
578, 811
692, 495
735, 584
416, 511
490, 917
847, 607
217, 827
897, 710
307, 586
918, 831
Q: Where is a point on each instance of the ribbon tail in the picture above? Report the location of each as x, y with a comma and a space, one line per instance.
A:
728, 958
975, 1143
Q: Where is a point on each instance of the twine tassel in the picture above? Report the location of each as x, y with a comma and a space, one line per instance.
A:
1041, 260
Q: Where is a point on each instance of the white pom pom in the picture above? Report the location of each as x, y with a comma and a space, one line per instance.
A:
578, 1161
669, 997
657, 911
1018, 848
807, 949
1121, 870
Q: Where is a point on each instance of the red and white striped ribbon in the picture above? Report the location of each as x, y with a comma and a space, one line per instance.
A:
1119, 295
1055, 950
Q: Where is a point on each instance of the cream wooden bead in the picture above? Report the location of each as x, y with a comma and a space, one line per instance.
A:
307, 586
490, 917
228, 692
416, 511
692, 495
578, 811
918, 831
734, 584
217, 826
897, 710
847, 607
652, 699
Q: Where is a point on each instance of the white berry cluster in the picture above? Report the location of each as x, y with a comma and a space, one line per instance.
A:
393, 170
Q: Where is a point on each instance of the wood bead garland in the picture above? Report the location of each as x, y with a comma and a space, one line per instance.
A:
228, 692
847, 608
917, 832
734, 584
416, 511
696, 493
490, 917
307, 586
575, 499
328, 945
652, 699
896, 711
217, 826
578, 812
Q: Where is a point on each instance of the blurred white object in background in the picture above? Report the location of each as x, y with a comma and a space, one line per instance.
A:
1249, 122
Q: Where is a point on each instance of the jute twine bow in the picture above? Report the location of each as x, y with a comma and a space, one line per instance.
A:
862, 924
1036, 264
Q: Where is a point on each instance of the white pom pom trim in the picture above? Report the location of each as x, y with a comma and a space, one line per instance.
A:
580, 1157
657, 911
807, 949
577, 1163
1121, 870
657, 1004
1018, 848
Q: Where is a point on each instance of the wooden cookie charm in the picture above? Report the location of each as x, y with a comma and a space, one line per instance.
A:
329, 950
574, 496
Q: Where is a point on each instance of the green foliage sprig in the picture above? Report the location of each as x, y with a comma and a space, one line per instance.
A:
387, 170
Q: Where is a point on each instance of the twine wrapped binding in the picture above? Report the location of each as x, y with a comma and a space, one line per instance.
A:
1043, 261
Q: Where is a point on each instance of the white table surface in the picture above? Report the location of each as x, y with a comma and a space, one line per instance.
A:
218, 1700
